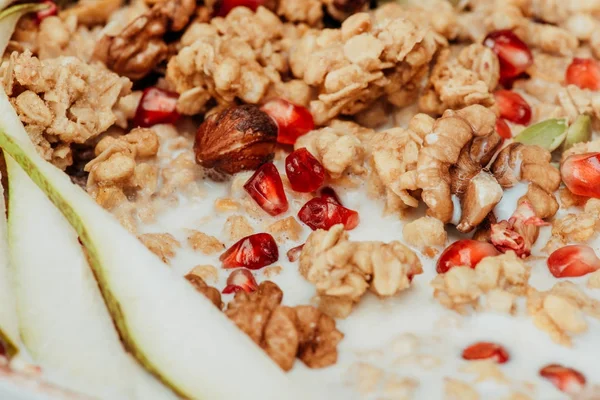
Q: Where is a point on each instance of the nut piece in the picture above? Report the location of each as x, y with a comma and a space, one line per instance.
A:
482, 195
238, 138
210, 292
284, 332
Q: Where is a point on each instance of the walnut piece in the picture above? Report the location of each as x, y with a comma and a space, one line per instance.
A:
238, 138
139, 47
62, 101
344, 270
502, 278
561, 311
285, 332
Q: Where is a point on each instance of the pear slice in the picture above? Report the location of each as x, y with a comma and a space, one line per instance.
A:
63, 319
9, 16
172, 330
9, 323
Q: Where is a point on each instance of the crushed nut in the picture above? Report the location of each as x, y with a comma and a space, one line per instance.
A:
237, 227
285, 229
284, 332
424, 232
163, 245
209, 292
203, 242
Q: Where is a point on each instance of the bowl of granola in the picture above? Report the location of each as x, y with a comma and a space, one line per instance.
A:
290, 199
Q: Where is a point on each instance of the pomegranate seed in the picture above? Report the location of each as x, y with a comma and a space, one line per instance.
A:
294, 253
513, 107
503, 129
572, 261
565, 379
484, 351
252, 252
585, 73
293, 121
266, 188
516, 233
320, 213
48, 12
305, 172
581, 174
156, 106
464, 252
330, 195
226, 6
514, 55
240, 279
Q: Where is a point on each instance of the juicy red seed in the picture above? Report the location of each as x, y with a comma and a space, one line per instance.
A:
293, 120
330, 195
252, 252
266, 188
240, 279
484, 351
514, 55
565, 379
585, 73
581, 174
513, 107
48, 12
226, 6
319, 213
464, 252
503, 129
294, 253
573, 261
156, 106
305, 172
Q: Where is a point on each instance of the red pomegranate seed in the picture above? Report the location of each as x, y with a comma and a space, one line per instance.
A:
293, 121
320, 213
294, 253
266, 188
514, 55
305, 172
513, 107
508, 235
252, 252
48, 12
565, 379
585, 73
330, 195
503, 129
484, 351
240, 279
572, 261
464, 252
581, 174
225, 6
156, 106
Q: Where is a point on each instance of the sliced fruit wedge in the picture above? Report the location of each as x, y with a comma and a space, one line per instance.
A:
9, 17
173, 331
64, 322
9, 324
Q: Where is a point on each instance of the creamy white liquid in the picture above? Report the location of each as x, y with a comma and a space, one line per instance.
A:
509, 201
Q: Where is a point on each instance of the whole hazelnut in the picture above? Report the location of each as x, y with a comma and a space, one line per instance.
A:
236, 139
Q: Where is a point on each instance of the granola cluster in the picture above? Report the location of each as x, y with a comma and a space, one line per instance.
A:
342, 270
494, 285
354, 66
62, 101
285, 332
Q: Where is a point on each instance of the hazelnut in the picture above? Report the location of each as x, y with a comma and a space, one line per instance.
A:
235, 139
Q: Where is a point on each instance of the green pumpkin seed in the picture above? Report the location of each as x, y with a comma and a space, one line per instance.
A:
548, 134
580, 131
